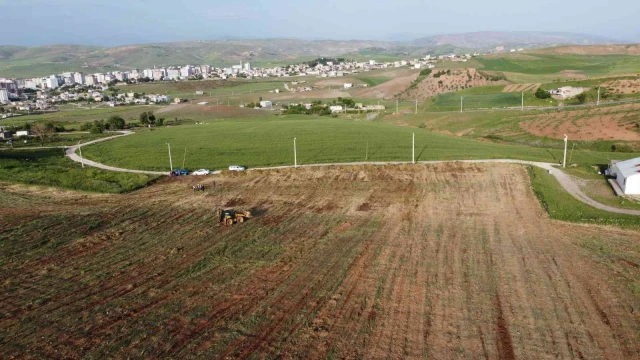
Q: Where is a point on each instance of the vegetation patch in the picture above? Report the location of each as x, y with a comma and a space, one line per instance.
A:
49, 167
561, 205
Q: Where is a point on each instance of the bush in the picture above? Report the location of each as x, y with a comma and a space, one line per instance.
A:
542, 94
115, 122
582, 98
425, 72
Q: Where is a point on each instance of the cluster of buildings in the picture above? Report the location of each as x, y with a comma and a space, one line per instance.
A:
40, 93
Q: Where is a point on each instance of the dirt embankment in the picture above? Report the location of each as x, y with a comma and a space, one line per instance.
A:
447, 81
623, 86
608, 123
387, 90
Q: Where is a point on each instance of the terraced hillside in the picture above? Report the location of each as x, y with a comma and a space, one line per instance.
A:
447, 261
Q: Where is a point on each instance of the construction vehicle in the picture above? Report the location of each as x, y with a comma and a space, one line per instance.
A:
229, 217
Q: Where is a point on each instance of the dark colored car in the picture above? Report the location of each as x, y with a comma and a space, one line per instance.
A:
179, 172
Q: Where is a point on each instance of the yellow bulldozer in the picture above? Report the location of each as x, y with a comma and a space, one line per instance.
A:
229, 217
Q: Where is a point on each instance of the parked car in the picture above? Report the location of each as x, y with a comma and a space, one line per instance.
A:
201, 172
236, 168
180, 172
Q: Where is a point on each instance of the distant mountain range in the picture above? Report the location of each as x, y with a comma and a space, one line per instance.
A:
488, 40
20, 61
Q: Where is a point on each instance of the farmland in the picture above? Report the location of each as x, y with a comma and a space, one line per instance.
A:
546, 64
269, 141
336, 263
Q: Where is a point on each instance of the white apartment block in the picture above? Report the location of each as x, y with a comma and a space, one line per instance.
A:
78, 77
4, 96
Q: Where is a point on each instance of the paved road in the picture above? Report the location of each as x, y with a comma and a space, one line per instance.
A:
565, 180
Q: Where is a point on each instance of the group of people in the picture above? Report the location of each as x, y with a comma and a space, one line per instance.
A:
198, 187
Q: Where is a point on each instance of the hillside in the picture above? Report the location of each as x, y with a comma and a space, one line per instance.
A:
20, 61
624, 49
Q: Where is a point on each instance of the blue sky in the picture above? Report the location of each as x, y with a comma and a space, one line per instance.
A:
118, 22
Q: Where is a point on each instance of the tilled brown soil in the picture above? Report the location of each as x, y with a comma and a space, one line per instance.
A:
607, 123
447, 261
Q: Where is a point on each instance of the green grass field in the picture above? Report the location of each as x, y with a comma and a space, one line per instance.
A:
49, 167
218, 88
79, 116
269, 142
544, 64
57, 139
372, 81
485, 97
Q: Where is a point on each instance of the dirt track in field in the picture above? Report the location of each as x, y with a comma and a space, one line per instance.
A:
443, 261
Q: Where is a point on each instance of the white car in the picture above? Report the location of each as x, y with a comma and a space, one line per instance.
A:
236, 168
201, 172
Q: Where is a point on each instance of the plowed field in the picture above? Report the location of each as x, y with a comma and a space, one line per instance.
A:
447, 261
607, 123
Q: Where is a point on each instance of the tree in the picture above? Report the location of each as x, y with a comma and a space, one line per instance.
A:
582, 97
160, 122
144, 118
116, 122
97, 127
42, 131
542, 94
151, 117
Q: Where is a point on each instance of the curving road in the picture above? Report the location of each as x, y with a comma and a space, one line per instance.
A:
565, 180
70, 152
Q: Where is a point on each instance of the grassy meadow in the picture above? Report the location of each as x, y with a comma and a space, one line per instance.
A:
269, 142
49, 167
545, 64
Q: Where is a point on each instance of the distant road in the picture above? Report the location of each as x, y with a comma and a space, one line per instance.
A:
565, 180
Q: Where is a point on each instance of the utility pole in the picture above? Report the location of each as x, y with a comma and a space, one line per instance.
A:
564, 159
413, 149
295, 154
79, 148
522, 107
461, 97
416, 106
184, 158
170, 161
397, 107
598, 101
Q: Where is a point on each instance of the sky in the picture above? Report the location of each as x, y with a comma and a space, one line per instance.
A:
119, 22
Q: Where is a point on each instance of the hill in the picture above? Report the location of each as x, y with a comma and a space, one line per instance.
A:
487, 40
20, 61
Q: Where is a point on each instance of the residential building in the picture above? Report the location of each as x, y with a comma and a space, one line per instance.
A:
4, 96
90, 80
173, 73
51, 82
79, 78
627, 174
186, 71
